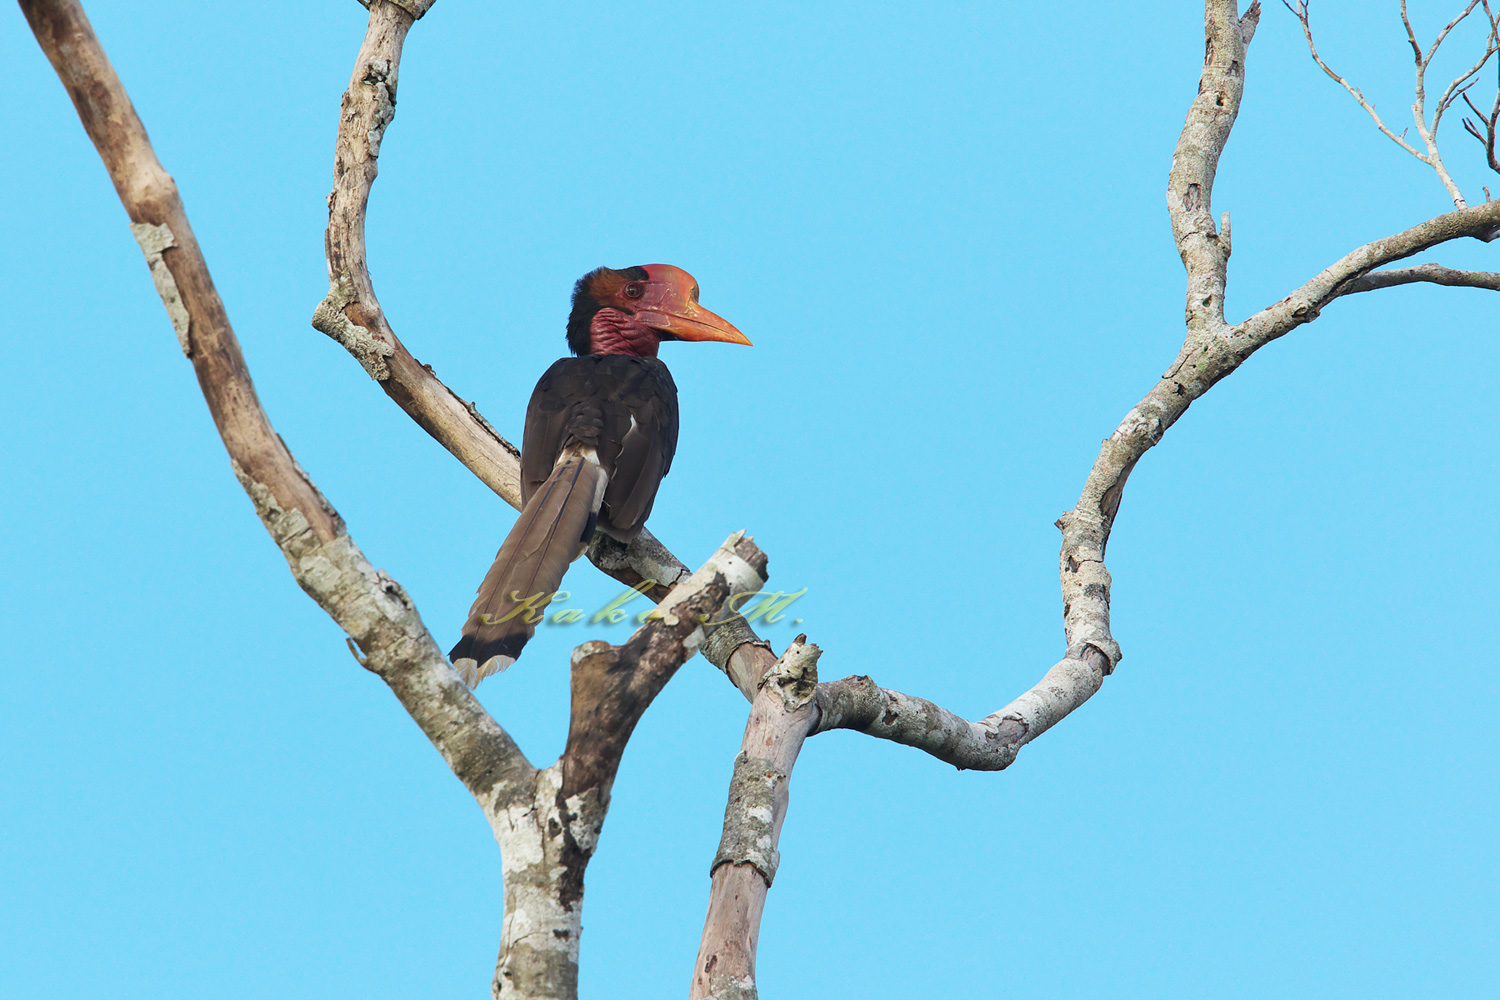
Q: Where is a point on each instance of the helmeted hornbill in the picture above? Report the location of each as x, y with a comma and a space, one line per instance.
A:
601, 428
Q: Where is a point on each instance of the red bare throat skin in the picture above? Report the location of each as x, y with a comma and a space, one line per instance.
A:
613, 332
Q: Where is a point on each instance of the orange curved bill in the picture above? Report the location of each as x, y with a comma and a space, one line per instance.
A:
690, 321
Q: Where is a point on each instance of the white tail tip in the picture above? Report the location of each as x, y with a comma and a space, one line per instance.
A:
472, 673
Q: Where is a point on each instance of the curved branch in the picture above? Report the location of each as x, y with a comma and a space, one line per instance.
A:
369, 605
1480, 222
1207, 356
351, 313
1435, 273
992, 743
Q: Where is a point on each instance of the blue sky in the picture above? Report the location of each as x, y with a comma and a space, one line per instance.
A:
943, 227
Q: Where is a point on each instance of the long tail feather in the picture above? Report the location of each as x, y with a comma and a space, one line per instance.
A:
550, 533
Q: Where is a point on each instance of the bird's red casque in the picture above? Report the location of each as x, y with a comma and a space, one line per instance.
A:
601, 429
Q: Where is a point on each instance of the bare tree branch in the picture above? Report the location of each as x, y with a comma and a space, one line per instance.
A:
993, 742
1411, 36
1487, 137
1418, 107
1435, 273
350, 313
1212, 350
1196, 159
369, 605
990, 744
1441, 36
1462, 83
1432, 157
1301, 12
1491, 120
781, 715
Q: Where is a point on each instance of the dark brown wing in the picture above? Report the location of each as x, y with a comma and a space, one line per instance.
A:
625, 408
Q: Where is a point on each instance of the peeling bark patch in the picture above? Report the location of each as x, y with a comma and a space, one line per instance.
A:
154, 241
732, 988
749, 835
376, 78
331, 316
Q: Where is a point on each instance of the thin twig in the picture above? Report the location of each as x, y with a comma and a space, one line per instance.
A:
1492, 44
1441, 34
1433, 158
1419, 105
1411, 36
1487, 137
1301, 13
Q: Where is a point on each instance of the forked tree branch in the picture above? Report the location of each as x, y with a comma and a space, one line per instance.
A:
1462, 83
369, 605
1432, 157
1486, 137
547, 841
1213, 349
1301, 12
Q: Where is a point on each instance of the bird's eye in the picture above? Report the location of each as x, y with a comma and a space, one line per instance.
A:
634, 290
694, 293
